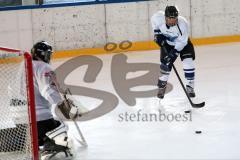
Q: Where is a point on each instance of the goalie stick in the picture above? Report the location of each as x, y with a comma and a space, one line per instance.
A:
194, 105
83, 142
64, 98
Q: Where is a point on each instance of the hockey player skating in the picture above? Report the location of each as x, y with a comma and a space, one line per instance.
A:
52, 134
171, 33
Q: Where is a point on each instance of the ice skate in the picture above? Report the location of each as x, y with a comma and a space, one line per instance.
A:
52, 151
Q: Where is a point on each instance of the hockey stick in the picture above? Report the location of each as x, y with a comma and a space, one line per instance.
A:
64, 98
83, 142
194, 105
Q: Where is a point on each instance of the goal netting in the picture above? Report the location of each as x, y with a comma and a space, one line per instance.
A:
18, 133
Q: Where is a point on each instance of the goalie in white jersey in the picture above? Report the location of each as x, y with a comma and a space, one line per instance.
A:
52, 134
171, 33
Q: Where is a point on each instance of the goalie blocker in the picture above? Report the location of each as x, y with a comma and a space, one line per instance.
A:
68, 109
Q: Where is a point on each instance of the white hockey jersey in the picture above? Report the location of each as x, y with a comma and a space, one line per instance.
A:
176, 35
45, 90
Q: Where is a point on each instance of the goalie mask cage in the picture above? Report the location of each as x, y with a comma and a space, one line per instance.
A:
18, 128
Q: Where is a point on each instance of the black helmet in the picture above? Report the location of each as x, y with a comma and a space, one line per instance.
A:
171, 12
42, 50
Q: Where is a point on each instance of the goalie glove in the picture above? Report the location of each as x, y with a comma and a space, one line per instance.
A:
77, 108
59, 136
74, 111
70, 110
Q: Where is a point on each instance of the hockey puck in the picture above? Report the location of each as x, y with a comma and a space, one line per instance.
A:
188, 111
198, 132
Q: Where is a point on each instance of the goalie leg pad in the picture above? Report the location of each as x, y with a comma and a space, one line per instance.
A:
59, 135
57, 142
45, 126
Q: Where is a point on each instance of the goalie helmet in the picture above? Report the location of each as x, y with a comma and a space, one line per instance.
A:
42, 51
171, 12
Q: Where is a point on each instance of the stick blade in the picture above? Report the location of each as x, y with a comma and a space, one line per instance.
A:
84, 144
198, 105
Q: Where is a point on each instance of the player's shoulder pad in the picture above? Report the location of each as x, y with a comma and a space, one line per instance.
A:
42, 67
158, 17
183, 23
182, 20
159, 14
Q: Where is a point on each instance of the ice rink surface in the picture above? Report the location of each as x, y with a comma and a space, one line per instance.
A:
217, 83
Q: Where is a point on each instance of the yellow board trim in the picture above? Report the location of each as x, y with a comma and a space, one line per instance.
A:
11, 60
216, 40
141, 46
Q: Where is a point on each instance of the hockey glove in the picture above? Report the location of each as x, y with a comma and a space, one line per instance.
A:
74, 111
159, 38
171, 57
68, 109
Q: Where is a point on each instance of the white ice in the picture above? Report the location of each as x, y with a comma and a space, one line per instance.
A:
217, 83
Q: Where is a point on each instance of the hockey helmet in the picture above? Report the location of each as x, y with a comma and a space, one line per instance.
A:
42, 50
171, 12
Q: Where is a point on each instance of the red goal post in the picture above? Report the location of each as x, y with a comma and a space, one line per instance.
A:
11, 61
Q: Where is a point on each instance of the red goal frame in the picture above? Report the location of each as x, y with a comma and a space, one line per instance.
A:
30, 98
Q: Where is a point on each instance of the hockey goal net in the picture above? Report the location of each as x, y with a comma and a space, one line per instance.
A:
18, 131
